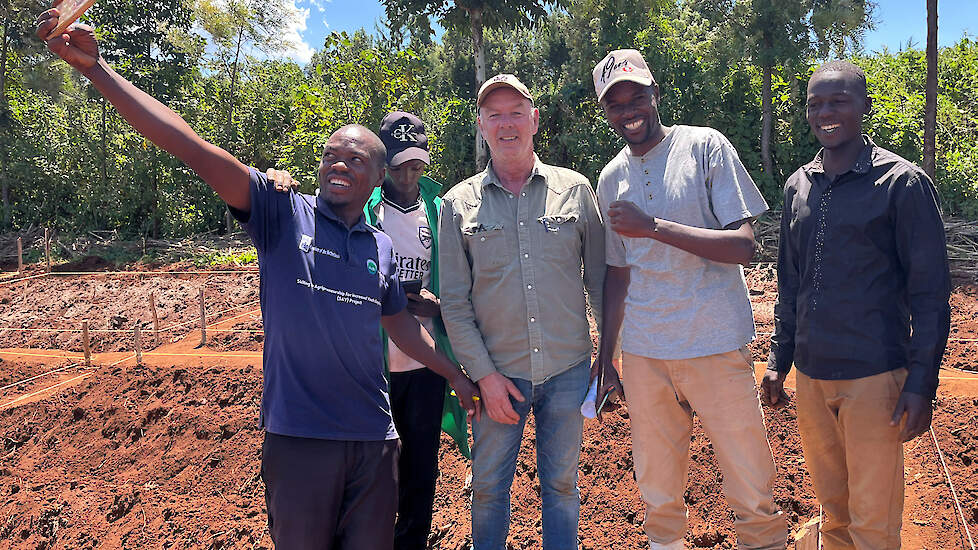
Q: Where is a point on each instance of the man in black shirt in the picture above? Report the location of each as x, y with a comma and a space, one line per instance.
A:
862, 311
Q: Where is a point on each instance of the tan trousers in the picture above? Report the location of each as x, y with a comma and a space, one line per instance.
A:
721, 389
855, 458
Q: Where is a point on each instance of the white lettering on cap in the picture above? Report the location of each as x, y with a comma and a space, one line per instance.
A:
405, 132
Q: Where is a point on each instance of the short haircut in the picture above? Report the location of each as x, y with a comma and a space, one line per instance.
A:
845, 67
375, 146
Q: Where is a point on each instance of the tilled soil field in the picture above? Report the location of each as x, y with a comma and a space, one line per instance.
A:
167, 456
114, 304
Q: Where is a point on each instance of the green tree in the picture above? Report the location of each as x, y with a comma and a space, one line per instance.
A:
475, 16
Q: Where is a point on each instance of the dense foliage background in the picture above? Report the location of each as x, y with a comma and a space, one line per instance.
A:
68, 161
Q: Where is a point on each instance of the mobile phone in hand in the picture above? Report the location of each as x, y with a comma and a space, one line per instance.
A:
69, 12
411, 286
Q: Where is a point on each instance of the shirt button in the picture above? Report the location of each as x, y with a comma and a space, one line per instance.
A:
529, 287
526, 255
521, 223
536, 350
523, 194
482, 238
533, 319
646, 172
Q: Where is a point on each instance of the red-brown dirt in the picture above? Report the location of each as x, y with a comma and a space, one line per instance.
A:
113, 305
166, 455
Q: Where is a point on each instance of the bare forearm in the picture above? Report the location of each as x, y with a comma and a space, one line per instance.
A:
413, 339
616, 284
729, 246
161, 125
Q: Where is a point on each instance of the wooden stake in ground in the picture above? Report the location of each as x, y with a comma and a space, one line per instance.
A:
85, 344
20, 255
203, 318
47, 247
156, 319
807, 537
139, 345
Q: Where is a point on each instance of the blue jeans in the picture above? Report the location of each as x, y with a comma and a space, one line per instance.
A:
556, 407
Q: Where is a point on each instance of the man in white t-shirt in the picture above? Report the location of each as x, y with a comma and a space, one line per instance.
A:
679, 203
406, 208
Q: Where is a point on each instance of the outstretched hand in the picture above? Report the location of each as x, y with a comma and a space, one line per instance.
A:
76, 45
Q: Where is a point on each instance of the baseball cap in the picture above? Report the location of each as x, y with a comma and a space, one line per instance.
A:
404, 136
619, 66
499, 81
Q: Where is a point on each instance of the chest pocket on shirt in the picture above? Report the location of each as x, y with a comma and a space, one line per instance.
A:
487, 245
559, 237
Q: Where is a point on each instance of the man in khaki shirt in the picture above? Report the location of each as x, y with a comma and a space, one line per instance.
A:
512, 242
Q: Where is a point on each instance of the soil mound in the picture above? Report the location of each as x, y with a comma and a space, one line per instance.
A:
85, 263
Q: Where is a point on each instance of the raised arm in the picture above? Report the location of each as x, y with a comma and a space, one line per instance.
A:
155, 121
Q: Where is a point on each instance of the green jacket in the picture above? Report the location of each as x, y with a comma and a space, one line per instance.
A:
453, 421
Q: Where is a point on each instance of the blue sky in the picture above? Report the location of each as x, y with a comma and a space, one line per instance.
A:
897, 22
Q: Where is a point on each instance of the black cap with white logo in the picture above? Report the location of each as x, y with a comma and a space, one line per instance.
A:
404, 136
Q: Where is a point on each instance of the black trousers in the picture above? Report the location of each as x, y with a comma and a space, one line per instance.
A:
417, 400
325, 495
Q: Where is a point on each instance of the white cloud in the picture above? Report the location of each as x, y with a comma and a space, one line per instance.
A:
301, 51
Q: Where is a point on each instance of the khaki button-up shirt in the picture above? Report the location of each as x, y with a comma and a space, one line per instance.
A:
512, 284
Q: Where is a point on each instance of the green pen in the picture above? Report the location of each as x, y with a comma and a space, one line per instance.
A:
605, 400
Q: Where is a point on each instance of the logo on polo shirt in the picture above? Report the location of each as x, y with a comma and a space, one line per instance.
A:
371, 267
424, 235
305, 245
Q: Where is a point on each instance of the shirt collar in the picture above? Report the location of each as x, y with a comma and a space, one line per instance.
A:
489, 176
863, 163
323, 208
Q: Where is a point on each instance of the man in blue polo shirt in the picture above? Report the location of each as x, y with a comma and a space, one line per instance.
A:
327, 282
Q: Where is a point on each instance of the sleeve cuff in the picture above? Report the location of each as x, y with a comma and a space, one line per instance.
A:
918, 384
479, 370
779, 362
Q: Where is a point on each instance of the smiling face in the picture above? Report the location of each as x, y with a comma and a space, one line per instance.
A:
633, 113
351, 167
508, 122
837, 102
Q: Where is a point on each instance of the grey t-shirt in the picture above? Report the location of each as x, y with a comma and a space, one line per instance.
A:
680, 305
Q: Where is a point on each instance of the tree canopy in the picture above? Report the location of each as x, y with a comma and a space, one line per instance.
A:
68, 161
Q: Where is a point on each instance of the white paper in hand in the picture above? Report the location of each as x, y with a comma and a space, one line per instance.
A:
588, 408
